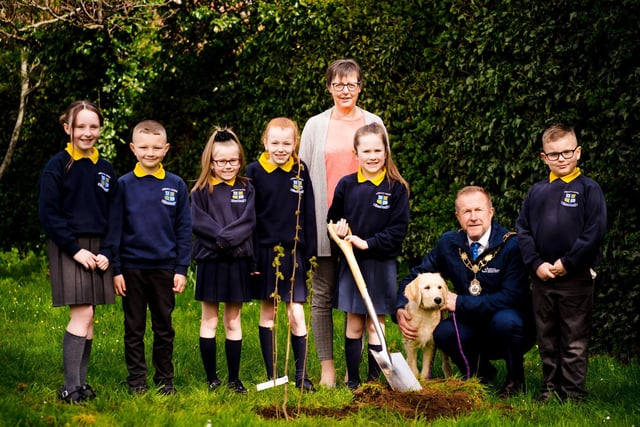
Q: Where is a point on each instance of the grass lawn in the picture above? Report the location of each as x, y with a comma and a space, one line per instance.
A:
31, 333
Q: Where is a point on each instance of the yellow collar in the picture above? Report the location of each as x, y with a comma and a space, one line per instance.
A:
215, 181
270, 167
375, 181
139, 172
76, 155
567, 178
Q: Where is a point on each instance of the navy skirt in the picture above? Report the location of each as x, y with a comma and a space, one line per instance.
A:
72, 284
380, 278
223, 281
266, 281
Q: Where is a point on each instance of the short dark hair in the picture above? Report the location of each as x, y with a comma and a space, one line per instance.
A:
343, 67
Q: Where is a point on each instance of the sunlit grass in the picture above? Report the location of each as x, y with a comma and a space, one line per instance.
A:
30, 357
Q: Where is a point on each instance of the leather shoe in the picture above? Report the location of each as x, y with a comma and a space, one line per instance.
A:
237, 386
305, 384
167, 390
511, 388
353, 384
214, 384
487, 373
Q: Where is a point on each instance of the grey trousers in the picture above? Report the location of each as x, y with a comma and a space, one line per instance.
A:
563, 309
324, 282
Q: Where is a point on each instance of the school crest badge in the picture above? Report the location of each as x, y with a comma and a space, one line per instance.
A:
570, 199
238, 195
382, 201
104, 181
169, 196
297, 185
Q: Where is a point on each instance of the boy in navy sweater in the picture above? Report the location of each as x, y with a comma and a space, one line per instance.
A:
561, 227
152, 222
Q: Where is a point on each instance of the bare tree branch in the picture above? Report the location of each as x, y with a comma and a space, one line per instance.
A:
20, 19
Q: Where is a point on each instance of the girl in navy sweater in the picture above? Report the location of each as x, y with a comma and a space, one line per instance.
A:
286, 218
76, 189
374, 204
223, 220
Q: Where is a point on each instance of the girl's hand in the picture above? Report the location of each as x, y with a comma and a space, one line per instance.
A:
86, 259
357, 242
341, 228
102, 262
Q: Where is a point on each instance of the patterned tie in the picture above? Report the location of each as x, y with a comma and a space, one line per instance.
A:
475, 250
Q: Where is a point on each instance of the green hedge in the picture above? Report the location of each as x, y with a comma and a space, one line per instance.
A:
465, 88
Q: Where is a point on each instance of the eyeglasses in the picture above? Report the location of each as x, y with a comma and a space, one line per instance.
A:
351, 87
222, 163
566, 154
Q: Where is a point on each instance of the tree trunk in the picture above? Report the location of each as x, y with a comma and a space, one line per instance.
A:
25, 90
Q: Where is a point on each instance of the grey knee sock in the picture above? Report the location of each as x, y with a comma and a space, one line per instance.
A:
84, 363
72, 350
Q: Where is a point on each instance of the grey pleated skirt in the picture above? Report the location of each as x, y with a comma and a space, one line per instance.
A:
71, 284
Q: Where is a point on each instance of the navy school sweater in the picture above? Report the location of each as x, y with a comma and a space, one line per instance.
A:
276, 204
223, 221
76, 203
152, 223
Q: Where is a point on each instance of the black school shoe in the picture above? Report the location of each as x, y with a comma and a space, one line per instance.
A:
237, 387
88, 393
74, 396
167, 390
214, 384
305, 384
137, 390
353, 384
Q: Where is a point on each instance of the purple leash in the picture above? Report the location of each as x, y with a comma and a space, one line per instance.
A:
466, 362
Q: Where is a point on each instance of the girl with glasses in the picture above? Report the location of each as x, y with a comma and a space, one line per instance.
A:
223, 221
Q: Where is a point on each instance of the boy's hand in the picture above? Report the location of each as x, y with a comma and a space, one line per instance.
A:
558, 268
179, 282
119, 286
102, 262
545, 272
86, 259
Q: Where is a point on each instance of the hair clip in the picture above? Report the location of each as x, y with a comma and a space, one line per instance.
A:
223, 135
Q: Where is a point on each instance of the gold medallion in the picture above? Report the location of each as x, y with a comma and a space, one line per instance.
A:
474, 287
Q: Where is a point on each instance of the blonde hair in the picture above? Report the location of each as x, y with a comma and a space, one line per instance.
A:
285, 123
558, 131
219, 136
473, 189
393, 174
149, 127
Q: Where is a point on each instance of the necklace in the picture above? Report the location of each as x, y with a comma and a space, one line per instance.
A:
475, 288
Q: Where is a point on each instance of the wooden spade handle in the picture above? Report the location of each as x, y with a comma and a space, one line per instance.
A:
347, 249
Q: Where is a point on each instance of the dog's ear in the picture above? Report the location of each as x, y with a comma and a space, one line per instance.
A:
412, 291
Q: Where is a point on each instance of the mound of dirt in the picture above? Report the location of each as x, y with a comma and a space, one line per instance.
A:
448, 400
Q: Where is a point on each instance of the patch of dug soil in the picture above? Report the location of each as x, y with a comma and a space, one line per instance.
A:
448, 399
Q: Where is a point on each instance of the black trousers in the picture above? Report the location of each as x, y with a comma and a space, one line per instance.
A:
563, 309
152, 288
506, 334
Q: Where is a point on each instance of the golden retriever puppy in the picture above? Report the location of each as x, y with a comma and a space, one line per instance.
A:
426, 294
